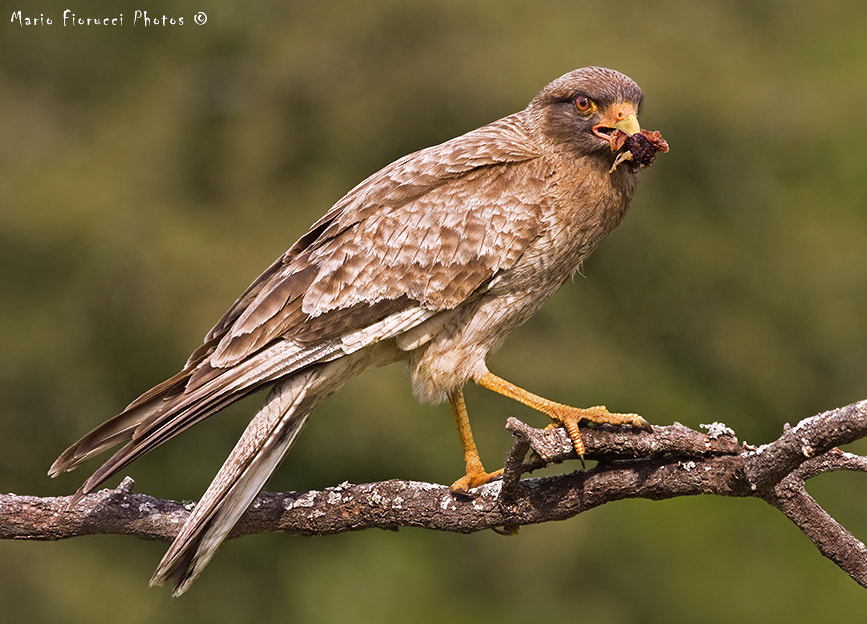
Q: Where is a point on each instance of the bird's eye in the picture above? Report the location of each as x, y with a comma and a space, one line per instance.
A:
584, 104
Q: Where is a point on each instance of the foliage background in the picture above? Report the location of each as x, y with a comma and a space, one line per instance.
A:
148, 174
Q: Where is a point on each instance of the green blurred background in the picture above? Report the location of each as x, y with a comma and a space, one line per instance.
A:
149, 174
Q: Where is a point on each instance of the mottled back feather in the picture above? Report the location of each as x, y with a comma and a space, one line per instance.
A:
416, 233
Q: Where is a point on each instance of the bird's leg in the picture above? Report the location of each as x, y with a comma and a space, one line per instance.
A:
476, 474
564, 415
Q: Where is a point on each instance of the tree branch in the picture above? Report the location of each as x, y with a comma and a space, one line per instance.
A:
668, 462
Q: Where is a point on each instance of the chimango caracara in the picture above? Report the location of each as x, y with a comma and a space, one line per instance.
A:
431, 261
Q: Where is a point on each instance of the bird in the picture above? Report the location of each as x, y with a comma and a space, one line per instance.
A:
432, 261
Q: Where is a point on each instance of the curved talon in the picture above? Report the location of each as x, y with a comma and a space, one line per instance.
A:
642, 424
571, 425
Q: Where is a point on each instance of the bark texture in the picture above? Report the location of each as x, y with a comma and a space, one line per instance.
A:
667, 462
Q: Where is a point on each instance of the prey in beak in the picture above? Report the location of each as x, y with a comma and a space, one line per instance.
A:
619, 126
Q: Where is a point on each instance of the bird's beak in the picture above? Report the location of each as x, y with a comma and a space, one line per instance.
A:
621, 117
629, 124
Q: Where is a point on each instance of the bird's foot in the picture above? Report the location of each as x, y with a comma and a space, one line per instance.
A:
563, 415
475, 477
569, 417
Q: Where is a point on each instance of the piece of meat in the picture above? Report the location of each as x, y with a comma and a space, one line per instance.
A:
638, 150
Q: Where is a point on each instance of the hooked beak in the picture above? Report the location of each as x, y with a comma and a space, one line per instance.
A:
621, 117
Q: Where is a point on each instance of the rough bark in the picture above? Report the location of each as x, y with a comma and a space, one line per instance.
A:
670, 461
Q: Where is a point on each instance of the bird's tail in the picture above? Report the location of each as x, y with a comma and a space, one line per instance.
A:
302, 378
178, 403
264, 443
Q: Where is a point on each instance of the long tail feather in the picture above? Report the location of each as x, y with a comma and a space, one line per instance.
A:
177, 404
264, 443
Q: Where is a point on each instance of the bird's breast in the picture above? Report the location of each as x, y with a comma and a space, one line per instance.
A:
583, 205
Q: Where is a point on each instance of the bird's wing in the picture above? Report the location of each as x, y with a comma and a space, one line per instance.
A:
424, 232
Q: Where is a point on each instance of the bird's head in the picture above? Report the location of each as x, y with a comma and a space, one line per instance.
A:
582, 112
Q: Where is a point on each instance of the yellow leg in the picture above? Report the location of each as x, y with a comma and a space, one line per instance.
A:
476, 474
563, 415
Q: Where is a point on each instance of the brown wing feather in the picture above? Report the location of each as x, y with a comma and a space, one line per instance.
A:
401, 235
435, 250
